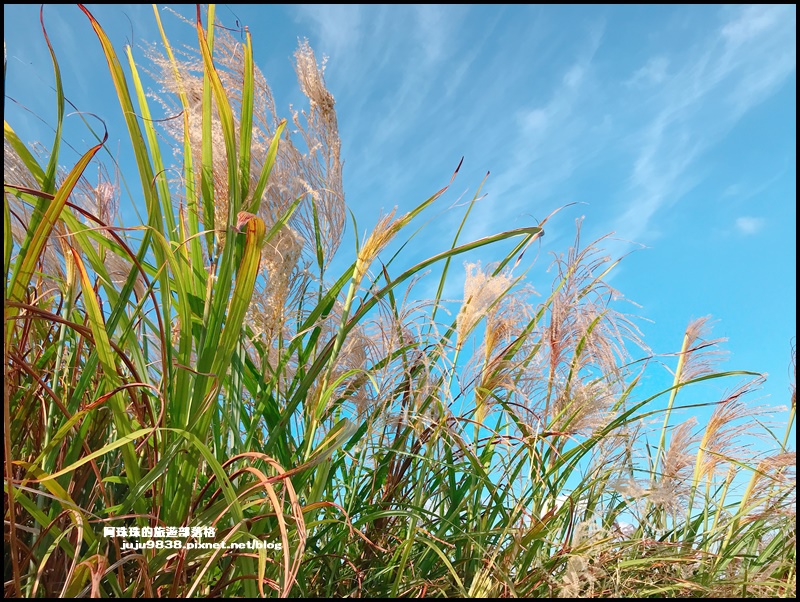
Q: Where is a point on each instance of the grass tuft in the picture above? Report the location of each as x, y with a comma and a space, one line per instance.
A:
204, 380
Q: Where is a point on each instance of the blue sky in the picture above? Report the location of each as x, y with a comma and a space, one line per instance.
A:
673, 127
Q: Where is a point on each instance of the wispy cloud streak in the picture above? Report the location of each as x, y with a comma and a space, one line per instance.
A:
751, 54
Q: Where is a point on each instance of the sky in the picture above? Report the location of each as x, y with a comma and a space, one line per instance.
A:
672, 127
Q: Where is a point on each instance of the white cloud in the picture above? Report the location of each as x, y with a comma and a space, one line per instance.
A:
338, 26
700, 100
412, 77
574, 76
554, 138
433, 25
654, 72
749, 225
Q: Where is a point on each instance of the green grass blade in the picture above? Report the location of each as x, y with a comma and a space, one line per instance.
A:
38, 234
48, 185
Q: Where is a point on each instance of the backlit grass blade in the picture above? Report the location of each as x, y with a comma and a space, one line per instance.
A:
30, 162
246, 118
388, 451
242, 292
207, 386
207, 149
183, 321
40, 517
162, 193
8, 242
192, 205
50, 211
145, 168
121, 442
109, 363
456, 236
266, 169
164, 200
61, 494
226, 119
48, 185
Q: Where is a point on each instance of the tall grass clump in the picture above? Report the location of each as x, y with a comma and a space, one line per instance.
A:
207, 381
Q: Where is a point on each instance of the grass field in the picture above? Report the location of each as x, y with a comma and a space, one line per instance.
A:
208, 377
